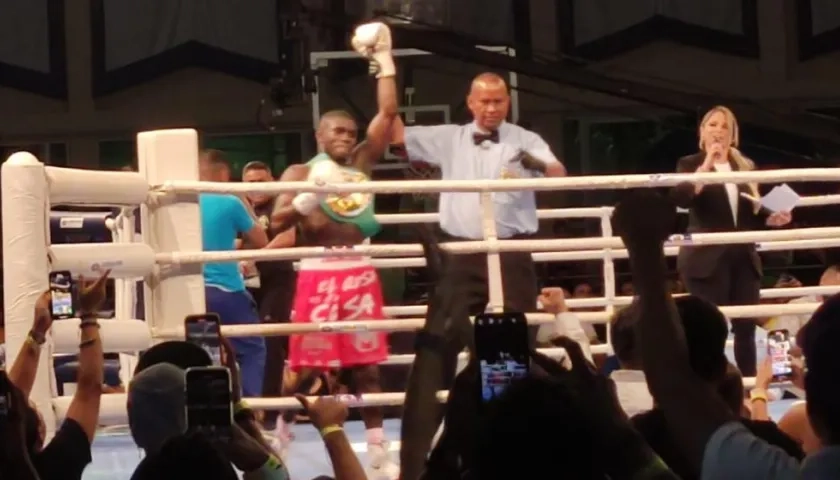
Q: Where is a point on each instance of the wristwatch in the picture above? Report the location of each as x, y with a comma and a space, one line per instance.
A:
38, 338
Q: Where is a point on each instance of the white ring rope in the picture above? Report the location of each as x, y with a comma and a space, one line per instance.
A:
411, 324
483, 246
586, 212
602, 182
615, 254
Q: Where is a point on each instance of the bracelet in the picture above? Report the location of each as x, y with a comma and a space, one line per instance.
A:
35, 340
330, 429
87, 343
240, 407
89, 323
758, 395
273, 469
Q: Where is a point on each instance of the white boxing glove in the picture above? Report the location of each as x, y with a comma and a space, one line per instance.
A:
322, 173
373, 41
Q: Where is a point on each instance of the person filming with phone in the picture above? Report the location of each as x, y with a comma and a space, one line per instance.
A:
69, 452
724, 274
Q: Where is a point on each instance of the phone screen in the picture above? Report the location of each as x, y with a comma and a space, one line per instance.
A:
778, 347
501, 344
203, 330
61, 293
209, 401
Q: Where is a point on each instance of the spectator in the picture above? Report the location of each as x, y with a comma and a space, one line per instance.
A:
15, 458
67, 454
704, 428
182, 457
156, 408
501, 439
793, 323
567, 324
629, 379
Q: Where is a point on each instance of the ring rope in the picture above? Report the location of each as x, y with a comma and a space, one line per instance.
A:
411, 324
546, 245
586, 212
591, 182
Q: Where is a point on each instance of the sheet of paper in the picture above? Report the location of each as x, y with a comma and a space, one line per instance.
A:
781, 199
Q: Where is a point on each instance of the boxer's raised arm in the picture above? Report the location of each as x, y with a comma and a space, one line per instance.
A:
285, 215
376, 39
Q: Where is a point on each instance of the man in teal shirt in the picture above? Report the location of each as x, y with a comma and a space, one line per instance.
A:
224, 218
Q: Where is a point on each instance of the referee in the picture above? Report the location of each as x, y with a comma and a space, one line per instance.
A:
488, 148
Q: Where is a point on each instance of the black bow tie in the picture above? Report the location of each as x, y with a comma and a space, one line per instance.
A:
493, 136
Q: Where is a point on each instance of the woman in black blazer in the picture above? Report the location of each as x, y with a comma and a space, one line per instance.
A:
724, 274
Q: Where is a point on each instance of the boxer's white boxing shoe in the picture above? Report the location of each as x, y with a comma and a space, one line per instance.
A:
282, 438
373, 41
381, 465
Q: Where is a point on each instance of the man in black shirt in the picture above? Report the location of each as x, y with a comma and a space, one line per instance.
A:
277, 283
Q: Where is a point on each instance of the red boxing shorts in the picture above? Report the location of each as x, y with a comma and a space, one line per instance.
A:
336, 290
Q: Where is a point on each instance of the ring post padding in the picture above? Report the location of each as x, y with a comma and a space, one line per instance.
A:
26, 270
176, 290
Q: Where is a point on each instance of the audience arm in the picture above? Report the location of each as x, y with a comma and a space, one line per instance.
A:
693, 409
84, 408
25, 367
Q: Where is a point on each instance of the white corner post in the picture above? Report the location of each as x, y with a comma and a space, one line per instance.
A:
170, 224
26, 268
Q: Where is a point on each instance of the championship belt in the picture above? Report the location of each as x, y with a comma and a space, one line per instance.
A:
353, 208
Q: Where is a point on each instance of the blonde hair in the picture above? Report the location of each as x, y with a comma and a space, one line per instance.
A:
741, 161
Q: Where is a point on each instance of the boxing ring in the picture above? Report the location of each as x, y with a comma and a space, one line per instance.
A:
169, 258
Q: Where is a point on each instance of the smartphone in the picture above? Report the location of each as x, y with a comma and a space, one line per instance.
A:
778, 348
61, 292
204, 330
209, 402
501, 346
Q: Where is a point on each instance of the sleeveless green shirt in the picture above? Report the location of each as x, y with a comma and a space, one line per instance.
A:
352, 208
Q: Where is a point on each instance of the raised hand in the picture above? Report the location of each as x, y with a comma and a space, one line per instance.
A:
445, 333
43, 316
324, 412
447, 315
373, 41
92, 294
644, 219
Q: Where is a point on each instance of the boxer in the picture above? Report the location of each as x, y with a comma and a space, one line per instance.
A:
345, 288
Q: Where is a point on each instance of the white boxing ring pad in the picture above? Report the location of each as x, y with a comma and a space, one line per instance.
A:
169, 259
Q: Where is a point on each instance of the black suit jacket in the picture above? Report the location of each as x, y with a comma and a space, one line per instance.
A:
710, 211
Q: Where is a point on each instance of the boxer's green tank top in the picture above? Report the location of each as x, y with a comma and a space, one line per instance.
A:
353, 208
